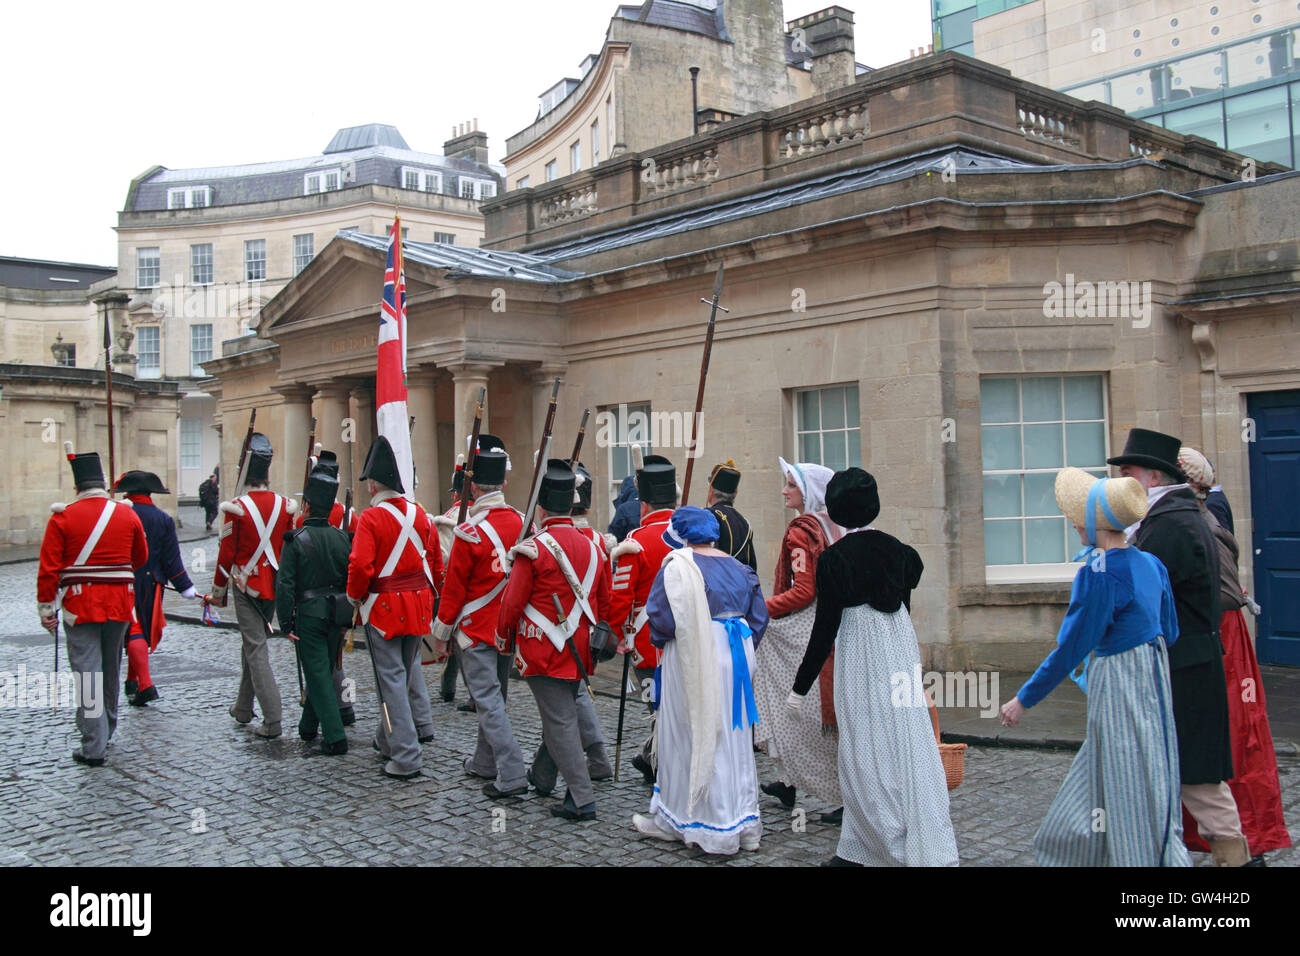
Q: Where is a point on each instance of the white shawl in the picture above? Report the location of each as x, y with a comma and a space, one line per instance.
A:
698, 658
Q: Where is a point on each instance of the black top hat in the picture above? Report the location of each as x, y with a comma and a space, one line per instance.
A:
556, 494
140, 483
492, 462
656, 482
852, 499
86, 470
725, 478
1153, 450
259, 459
582, 488
327, 461
381, 465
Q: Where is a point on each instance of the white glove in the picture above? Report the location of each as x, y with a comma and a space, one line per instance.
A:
190, 593
794, 704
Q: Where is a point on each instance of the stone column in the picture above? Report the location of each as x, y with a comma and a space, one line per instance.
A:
331, 408
420, 387
468, 379
363, 414
543, 379
291, 451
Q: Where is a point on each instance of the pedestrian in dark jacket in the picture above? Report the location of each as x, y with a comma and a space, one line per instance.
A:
627, 509
209, 496
1176, 533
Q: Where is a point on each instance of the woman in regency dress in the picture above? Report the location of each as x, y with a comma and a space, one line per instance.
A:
1119, 802
1254, 784
891, 778
804, 745
706, 611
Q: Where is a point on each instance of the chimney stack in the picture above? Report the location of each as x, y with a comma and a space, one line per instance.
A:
467, 142
826, 37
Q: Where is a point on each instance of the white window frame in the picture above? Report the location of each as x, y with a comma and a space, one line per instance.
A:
299, 262
317, 181
622, 439
142, 369
1054, 572
191, 197
194, 265
427, 181
191, 440
595, 141
575, 156
800, 430
141, 268
523, 182
609, 122
195, 351
447, 238
552, 170
249, 261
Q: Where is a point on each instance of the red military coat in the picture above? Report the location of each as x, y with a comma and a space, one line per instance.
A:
336, 518
101, 586
400, 602
248, 552
476, 570
636, 562
535, 575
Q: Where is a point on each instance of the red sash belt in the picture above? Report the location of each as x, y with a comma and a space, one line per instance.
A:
411, 581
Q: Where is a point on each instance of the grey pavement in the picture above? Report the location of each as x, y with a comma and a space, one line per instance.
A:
186, 786
189, 527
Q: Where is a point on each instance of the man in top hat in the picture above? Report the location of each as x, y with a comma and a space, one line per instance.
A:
1176, 533
392, 577
89, 554
553, 652
734, 536
164, 565
311, 601
636, 562
445, 524
471, 604
251, 538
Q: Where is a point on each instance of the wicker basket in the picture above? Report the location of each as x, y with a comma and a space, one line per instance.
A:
953, 756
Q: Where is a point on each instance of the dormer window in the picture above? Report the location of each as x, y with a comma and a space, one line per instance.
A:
322, 181
423, 180
189, 197
479, 189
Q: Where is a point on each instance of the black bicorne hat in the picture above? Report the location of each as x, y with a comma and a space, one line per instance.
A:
259, 459
140, 483
556, 494
725, 478
1154, 450
582, 487
86, 469
852, 499
381, 465
656, 482
492, 461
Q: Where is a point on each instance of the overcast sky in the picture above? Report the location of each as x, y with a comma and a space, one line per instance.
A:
96, 93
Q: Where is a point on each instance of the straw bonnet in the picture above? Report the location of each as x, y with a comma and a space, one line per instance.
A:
1197, 468
1126, 498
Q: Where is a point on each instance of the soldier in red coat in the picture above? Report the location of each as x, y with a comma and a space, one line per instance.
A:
581, 508
89, 555
471, 604
252, 535
392, 576
445, 526
552, 652
636, 562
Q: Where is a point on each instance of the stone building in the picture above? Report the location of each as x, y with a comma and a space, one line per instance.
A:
957, 279
636, 93
201, 250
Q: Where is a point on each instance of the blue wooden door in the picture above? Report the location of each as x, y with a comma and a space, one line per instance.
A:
1275, 508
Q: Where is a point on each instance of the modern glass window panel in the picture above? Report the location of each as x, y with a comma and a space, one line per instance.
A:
1196, 75
1040, 495
1248, 62
1085, 444
1045, 541
1043, 446
835, 450
1000, 447
1258, 125
832, 408
1002, 496
1040, 399
1002, 542
1083, 397
999, 400
1203, 120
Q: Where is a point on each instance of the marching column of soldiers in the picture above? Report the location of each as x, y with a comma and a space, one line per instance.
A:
496, 590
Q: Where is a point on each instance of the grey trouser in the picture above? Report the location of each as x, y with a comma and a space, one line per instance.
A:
95, 656
497, 754
449, 671
256, 678
401, 687
568, 723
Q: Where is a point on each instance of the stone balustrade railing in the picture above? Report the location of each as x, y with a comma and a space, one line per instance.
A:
805, 135
680, 172
563, 207
1048, 123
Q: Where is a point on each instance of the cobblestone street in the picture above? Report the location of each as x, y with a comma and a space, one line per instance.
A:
184, 785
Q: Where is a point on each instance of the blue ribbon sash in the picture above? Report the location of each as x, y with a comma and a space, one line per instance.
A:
742, 687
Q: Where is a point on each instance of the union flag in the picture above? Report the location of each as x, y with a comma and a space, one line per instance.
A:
390, 372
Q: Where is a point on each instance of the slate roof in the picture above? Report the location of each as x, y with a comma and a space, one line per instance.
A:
359, 137
467, 260
705, 18
45, 274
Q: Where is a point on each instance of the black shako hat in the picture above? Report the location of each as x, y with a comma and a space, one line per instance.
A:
852, 499
259, 459
582, 487
1150, 449
558, 481
140, 483
381, 465
323, 485
86, 469
725, 477
656, 482
492, 462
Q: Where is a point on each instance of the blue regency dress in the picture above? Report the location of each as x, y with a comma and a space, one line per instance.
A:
727, 814
1120, 802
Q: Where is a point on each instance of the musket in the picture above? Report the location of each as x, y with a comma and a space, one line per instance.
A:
311, 447
347, 509
241, 472
473, 454
56, 660
582, 433
379, 689
622, 708
539, 465
704, 372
